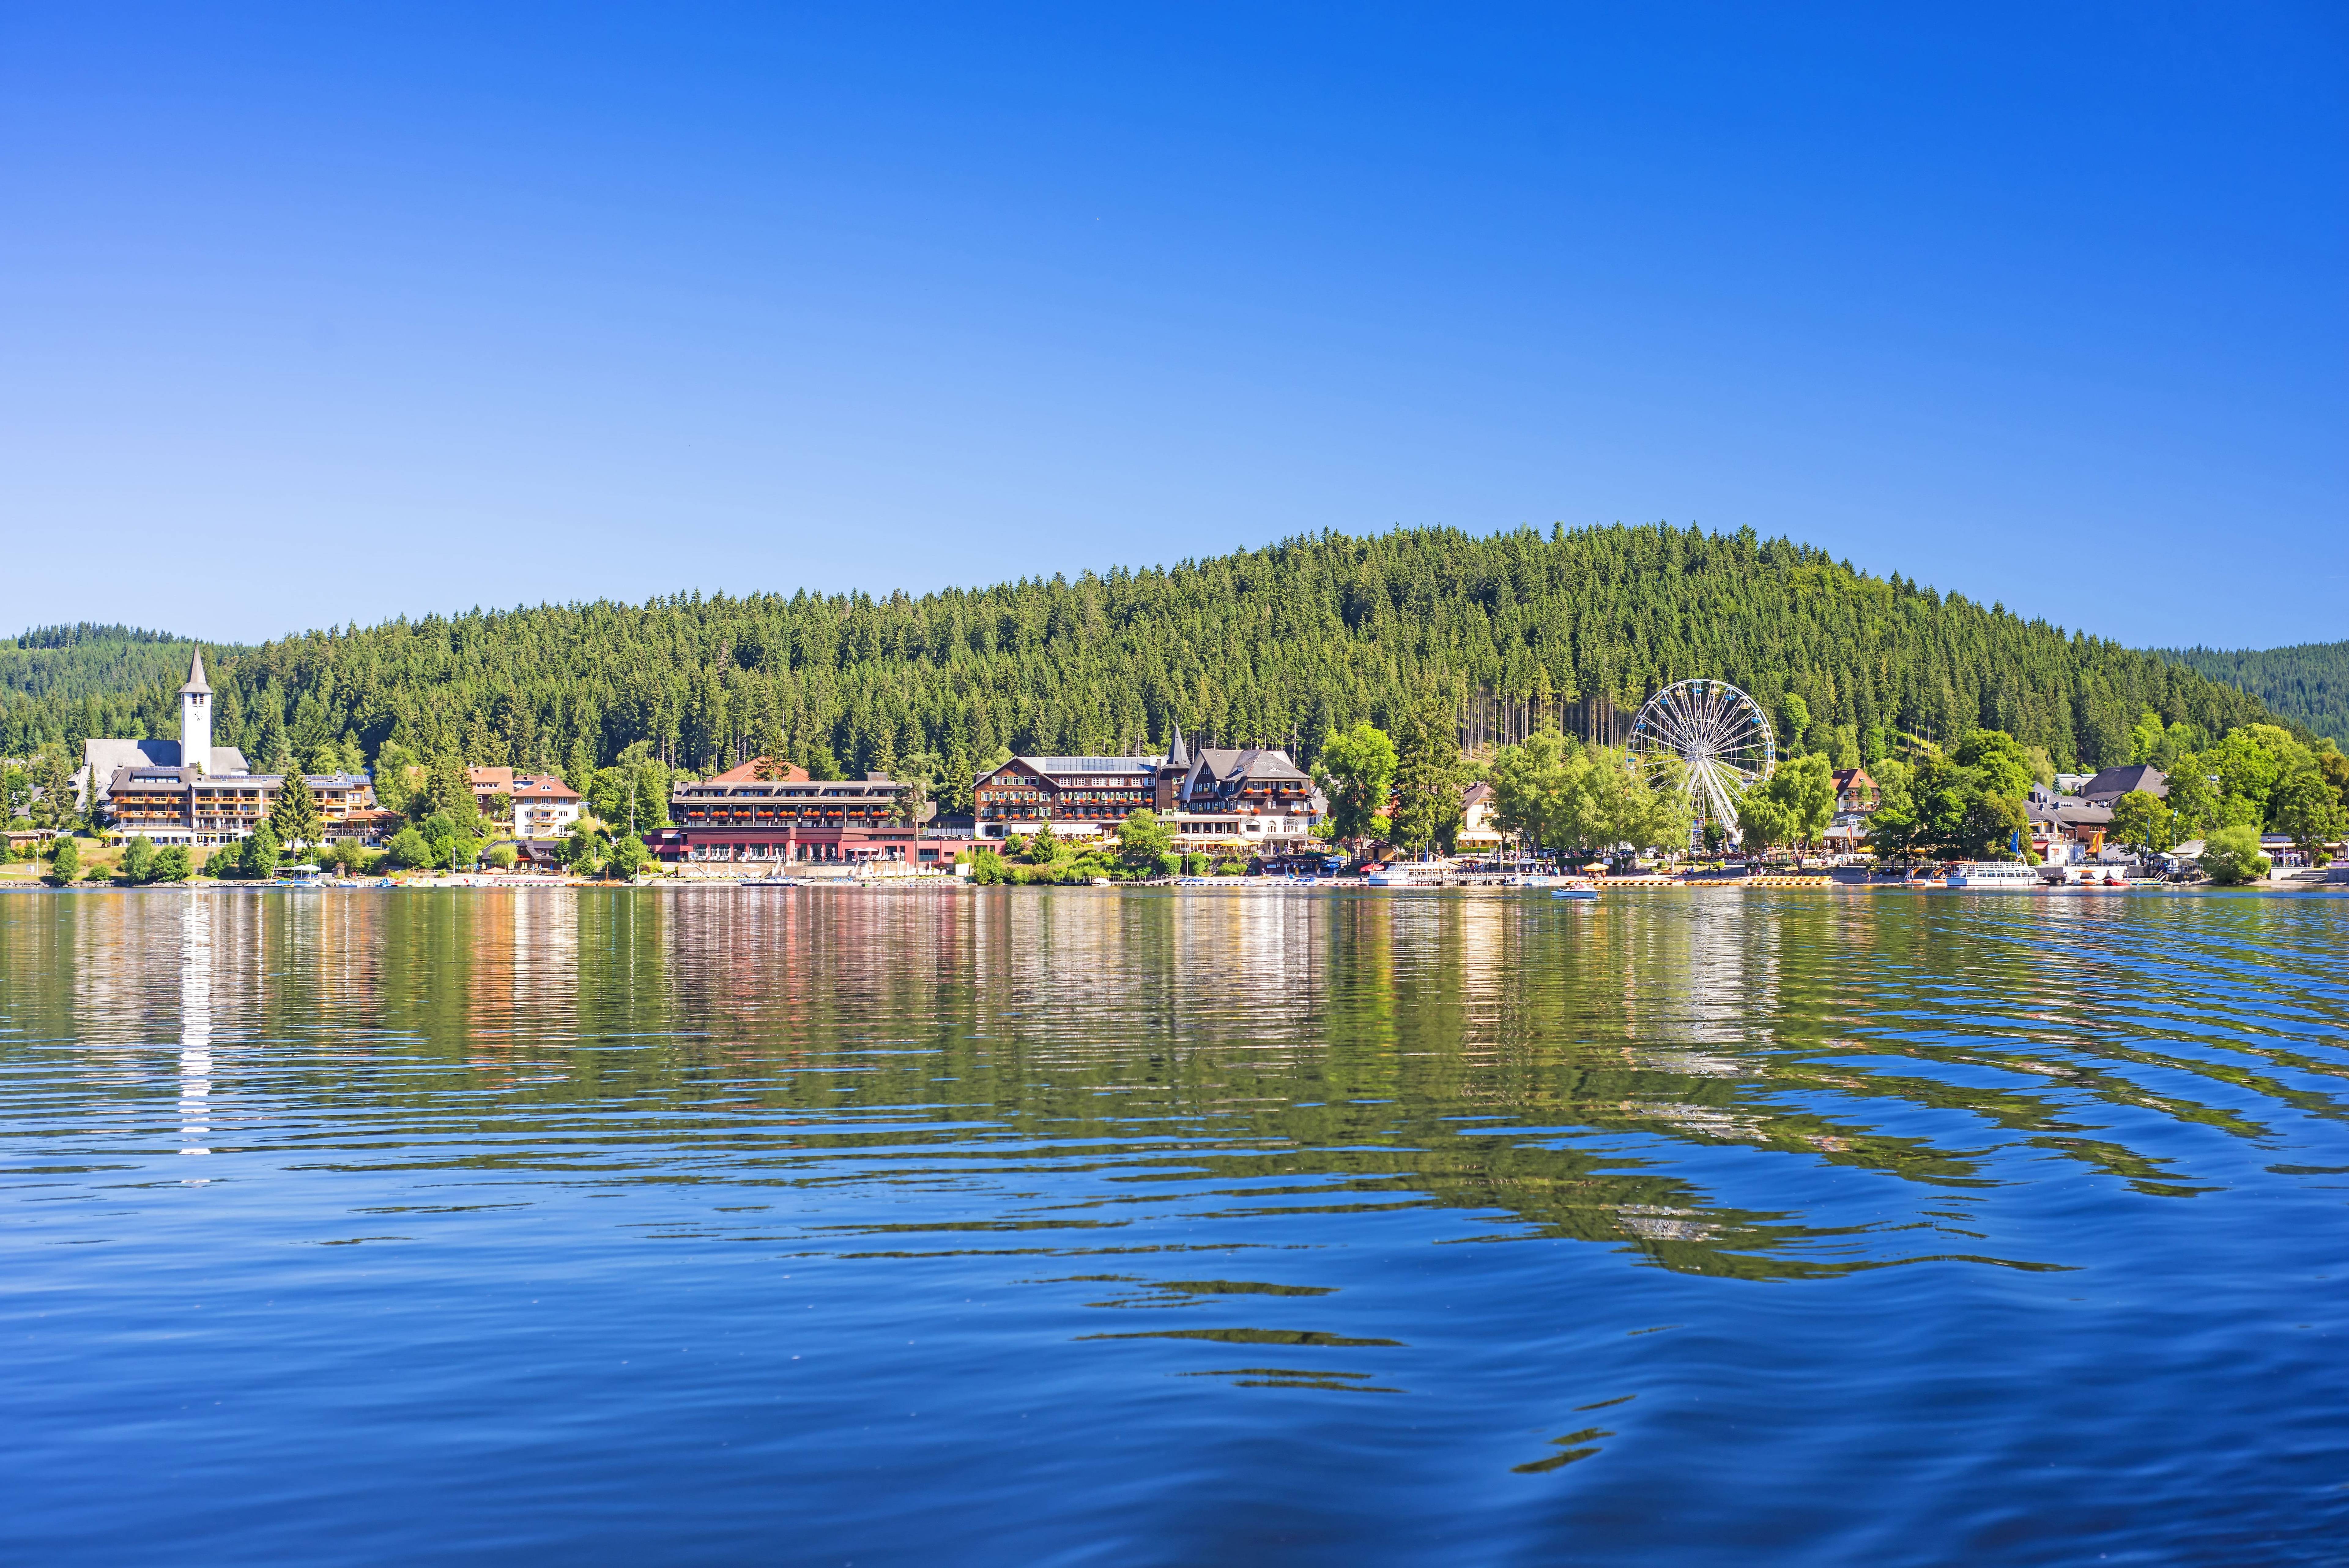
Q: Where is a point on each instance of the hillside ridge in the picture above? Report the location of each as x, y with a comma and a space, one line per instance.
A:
2307, 683
1279, 645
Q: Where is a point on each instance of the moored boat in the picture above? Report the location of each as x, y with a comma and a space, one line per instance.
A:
1994, 877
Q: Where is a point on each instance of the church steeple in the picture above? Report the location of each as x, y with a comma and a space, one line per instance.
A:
196, 718
1168, 795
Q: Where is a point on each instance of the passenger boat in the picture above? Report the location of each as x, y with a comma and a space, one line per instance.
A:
1411, 874
1579, 894
1994, 877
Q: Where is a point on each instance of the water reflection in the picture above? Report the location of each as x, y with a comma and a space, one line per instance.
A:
1334, 1212
195, 1023
1541, 1069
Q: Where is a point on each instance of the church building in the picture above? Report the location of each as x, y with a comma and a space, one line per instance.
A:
101, 759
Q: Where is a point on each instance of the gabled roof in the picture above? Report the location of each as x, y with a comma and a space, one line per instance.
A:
544, 787
2121, 780
1249, 766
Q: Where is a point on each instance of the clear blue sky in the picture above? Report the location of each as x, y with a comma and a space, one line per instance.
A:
336, 313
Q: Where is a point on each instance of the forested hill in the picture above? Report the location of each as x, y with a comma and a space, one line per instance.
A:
64, 664
2308, 682
1279, 645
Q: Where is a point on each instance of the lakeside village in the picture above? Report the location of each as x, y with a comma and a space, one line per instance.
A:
2260, 806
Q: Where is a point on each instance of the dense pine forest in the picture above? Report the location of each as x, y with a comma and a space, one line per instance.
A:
1284, 645
2307, 683
60, 665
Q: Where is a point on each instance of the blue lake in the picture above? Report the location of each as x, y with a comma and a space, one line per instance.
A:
1091, 1226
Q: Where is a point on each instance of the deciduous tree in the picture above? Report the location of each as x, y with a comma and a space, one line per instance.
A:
1356, 770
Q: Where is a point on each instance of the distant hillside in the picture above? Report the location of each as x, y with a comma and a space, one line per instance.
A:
95, 679
1279, 645
2308, 681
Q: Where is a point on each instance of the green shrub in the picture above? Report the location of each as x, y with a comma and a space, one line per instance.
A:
173, 863
2231, 855
65, 862
629, 856
408, 849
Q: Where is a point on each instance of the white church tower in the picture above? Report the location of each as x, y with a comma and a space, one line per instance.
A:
196, 719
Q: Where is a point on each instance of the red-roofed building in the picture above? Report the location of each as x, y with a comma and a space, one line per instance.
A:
544, 806
749, 773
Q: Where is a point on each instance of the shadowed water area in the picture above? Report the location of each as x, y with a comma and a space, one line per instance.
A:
1158, 1227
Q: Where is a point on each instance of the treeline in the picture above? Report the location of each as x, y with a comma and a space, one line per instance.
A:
73, 682
2307, 683
1286, 645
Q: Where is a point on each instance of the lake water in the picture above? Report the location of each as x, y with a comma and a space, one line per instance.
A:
1099, 1227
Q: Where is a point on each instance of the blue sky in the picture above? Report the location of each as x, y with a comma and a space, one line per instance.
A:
332, 314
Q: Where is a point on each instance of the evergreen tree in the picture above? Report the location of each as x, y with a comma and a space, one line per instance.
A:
448, 790
59, 806
1428, 777
294, 817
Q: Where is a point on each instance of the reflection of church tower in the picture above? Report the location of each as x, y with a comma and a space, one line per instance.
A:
1168, 795
196, 718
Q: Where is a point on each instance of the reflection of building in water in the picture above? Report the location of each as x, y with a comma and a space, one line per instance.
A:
1076, 965
542, 949
195, 1023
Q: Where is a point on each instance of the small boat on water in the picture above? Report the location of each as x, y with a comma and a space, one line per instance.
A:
1411, 874
1582, 895
1994, 877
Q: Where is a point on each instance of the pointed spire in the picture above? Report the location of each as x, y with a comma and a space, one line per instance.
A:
196, 676
1176, 756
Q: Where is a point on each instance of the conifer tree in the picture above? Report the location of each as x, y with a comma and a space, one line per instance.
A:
1428, 779
294, 817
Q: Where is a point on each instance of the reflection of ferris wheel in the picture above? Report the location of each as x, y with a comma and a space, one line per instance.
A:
1720, 738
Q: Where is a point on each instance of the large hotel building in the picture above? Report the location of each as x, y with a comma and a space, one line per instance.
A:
1252, 798
742, 818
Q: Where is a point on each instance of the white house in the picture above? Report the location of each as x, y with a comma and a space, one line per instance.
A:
544, 806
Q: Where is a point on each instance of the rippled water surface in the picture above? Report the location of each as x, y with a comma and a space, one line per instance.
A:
1089, 1226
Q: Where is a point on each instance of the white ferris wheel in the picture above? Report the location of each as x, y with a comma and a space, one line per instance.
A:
1720, 738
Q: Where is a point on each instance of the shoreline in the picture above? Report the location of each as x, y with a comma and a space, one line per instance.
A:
1253, 886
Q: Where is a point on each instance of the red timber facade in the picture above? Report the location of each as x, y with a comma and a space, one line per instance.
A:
741, 818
